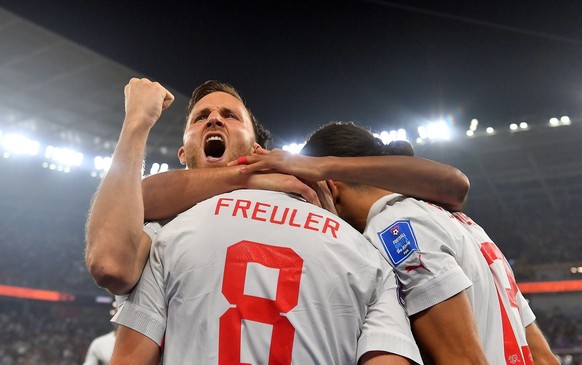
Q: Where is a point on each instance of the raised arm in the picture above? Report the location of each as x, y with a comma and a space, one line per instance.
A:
413, 176
116, 245
169, 193
448, 334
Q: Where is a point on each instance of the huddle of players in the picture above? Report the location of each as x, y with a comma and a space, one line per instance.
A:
227, 282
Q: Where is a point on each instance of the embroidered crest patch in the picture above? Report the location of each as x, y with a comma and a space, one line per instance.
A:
399, 241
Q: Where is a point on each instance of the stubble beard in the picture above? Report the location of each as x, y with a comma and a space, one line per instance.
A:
196, 158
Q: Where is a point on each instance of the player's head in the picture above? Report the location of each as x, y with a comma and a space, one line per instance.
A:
219, 127
346, 139
352, 201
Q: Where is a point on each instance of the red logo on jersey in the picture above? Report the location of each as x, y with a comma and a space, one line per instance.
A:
420, 265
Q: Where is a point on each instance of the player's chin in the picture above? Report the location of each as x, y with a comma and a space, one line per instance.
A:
215, 161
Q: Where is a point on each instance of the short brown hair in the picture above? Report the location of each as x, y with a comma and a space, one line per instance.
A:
262, 135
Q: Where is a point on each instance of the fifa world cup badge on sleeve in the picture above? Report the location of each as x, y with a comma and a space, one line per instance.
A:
399, 241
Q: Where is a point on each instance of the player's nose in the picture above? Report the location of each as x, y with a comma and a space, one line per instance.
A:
214, 119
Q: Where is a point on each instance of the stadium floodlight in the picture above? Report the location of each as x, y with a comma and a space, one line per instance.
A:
473, 125
490, 130
294, 147
523, 125
63, 156
393, 135
18, 144
513, 126
435, 131
422, 132
470, 133
102, 163
156, 167
565, 120
401, 134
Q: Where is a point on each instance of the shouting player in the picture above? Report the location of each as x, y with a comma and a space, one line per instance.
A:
246, 277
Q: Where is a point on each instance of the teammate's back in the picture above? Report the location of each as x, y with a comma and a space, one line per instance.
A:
263, 277
451, 248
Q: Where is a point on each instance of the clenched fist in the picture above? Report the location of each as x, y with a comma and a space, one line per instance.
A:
144, 101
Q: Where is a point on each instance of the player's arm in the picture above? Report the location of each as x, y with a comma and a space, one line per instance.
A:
116, 245
169, 193
382, 358
539, 347
413, 176
448, 334
132, 347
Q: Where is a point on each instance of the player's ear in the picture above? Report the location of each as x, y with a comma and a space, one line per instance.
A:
181, 156
333, 188
256, 146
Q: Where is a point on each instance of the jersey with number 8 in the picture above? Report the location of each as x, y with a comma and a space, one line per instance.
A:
254, 277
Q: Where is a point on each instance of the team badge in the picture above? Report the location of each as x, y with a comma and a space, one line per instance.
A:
399, 241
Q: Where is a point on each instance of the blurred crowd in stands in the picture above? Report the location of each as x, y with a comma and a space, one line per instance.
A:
34, 332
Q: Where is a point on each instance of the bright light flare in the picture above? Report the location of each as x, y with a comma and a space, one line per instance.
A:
394, 135
156, 168
294, 147
19, 145
102, 163
64, 156
435, 131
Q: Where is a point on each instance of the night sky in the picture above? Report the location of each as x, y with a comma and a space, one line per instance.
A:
385, 64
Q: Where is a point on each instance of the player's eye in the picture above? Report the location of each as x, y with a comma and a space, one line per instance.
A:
200, 117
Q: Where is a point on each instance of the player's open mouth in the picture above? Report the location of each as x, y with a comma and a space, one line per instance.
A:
214, 148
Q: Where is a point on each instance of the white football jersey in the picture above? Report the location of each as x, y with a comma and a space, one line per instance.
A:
260, 277
100, 350
437, 254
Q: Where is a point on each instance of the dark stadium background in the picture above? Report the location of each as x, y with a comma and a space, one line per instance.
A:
386, 64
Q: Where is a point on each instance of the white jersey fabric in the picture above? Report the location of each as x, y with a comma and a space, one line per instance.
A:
437, 254
260, 277
100, 350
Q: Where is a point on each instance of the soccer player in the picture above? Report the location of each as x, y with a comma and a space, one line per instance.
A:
250, 276
459, 291
117, 267
100, 350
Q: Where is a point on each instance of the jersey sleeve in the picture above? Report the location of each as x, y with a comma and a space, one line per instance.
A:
386, 326
527, 314
152, 229
422, 251
144, 310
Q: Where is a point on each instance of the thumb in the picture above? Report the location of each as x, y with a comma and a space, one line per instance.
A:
168, 100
